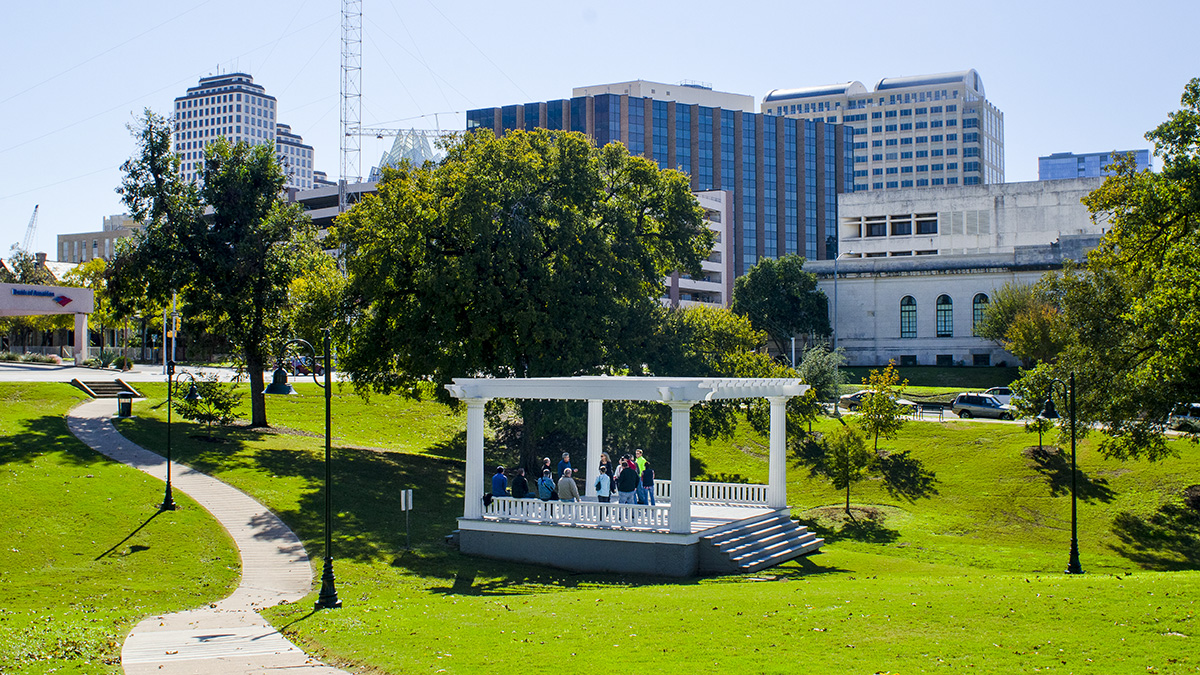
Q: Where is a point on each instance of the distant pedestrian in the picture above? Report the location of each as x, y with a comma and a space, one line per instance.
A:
648, 481
567, 490
606, 464
520, 486
564, 464
545, 487
499, 483
640, 460
546, 464
604, 485
627, 481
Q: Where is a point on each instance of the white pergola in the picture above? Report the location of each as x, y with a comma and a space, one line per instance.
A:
680, 393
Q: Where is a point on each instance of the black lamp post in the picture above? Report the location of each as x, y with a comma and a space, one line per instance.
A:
279, 385
1048, 412
193, 395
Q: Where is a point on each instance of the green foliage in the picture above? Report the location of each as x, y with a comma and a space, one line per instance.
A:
107, 357
315, 298
1025, 319
1134, 310
534, 254
847, 459
23, 268
218, 404
821, 369
783, 300
879, 414
233, 266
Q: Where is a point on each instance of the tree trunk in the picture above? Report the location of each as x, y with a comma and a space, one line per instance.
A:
258, 403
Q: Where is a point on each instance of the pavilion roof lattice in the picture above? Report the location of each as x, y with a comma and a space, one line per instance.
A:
626, 388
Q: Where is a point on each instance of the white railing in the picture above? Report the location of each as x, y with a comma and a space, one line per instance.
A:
728, 493
598, 514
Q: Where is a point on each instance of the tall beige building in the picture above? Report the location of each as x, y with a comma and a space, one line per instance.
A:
83, 246
909, 132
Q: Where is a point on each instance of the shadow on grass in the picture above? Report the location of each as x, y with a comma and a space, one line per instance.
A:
132, 549
39, 435
1056, 467
1168, 539
866, 525
906, 477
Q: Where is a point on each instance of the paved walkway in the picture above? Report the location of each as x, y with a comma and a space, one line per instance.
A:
229, 636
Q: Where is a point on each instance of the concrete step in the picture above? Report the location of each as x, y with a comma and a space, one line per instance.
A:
759, 544
105, 388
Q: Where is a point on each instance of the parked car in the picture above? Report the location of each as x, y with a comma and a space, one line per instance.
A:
967, 406
851, 402
1002, 394
1185, 418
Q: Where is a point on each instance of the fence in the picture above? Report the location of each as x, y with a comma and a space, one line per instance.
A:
632, 516
727, 493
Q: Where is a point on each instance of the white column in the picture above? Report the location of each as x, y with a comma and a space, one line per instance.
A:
79, 351
595, 443
681, 466
777, 465
473, 481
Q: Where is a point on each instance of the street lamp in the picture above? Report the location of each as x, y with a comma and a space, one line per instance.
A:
193, 395
279, 385
1049, 412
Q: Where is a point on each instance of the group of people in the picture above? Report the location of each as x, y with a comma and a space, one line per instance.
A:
631, 480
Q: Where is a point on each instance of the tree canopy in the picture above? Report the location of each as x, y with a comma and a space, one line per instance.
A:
783, 300
233, 266
1133, 311
533, 254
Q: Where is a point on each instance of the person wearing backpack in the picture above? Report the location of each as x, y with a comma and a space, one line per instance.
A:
628, 481
545, 487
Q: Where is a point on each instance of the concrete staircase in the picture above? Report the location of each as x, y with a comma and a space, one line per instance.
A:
105, 389
756, 544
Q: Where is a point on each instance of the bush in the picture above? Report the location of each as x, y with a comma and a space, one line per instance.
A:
107, 356
39, 358
91, 362
218, 402
9, 356
123, 363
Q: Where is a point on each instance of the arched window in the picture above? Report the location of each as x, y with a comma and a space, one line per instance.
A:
945, 316
908, 317
978, 307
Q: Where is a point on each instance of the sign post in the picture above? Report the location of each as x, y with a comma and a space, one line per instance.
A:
406, 505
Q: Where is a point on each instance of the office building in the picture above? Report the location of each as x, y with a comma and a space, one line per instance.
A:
687, 91
782, 176
919, 267
1062, 165
909, 132
83, 246
234, 107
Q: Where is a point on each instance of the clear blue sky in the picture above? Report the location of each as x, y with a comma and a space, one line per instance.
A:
1069, 76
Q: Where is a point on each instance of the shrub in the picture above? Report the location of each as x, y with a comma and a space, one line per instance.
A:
9, 356
123, 363
218, 402
107, 356
91, 362
38, 358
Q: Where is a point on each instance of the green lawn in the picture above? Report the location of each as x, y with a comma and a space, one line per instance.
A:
958, 377
85, 553
954, 562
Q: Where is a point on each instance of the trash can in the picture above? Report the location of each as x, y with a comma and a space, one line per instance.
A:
124, 404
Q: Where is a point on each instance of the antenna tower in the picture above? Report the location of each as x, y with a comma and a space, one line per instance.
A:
351, 97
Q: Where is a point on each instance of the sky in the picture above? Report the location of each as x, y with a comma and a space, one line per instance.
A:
1068, 76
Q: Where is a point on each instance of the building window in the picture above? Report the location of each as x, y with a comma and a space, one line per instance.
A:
908, 317
978, 308
945, 316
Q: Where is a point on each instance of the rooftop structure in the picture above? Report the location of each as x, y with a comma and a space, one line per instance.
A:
695, 93
909, 132
83, 246
1060, 165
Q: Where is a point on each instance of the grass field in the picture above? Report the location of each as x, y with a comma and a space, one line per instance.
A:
85, 553
958, 378
954, 561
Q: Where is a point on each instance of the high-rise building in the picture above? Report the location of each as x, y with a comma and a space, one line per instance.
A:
233, 106
909, 132
782, 176
84, 246
1062, 165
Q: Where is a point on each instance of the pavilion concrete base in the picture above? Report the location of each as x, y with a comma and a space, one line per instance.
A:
582, 549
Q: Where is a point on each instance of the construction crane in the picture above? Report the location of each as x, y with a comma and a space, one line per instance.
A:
28, 232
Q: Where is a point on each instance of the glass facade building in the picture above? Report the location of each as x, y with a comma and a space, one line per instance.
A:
783, 175
1061, 165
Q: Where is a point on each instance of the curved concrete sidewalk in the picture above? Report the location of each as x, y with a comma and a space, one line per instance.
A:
229, 636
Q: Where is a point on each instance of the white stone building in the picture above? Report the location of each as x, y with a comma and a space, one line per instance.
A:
234, 107
715, 285
918, 267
